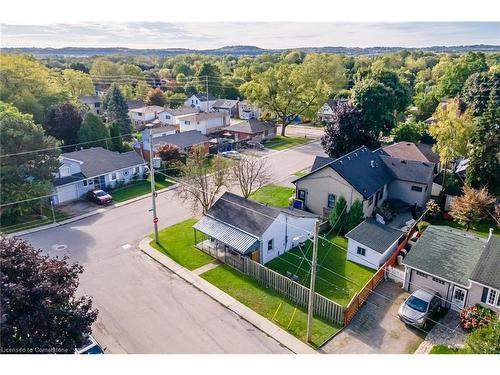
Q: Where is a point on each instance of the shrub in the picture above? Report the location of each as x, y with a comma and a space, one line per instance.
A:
475, 316
433, 210
485, 340
422, 225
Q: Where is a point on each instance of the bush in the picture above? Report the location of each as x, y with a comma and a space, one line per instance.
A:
422, 225
475, 317
160, 177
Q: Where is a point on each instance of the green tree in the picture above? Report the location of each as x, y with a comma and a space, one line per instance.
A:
116, 136
286, 93
477, 88
484, 340
211, 73
93, 132
156, 97
175, 100
141, 89
63, 122
426, 103
104, 71
355, 215
401, 91
78, 83
409, 131
338, 214
27, 174
484, 165
117, 109
40, 304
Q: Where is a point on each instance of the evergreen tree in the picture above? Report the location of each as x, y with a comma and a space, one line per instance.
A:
117, 109
93, 130
116, 138
484, 167
339, 210
63, 122
355, 215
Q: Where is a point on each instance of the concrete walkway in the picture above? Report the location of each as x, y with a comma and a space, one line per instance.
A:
280, 335
448, 332
206, 267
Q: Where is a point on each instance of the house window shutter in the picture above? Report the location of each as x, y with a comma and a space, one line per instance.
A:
484, 295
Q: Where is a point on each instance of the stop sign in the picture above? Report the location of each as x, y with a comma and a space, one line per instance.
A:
155, 220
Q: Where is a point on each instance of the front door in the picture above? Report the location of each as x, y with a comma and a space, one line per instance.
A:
458, 300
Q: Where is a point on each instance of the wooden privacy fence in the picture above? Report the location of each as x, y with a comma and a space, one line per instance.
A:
361, 296
322, 306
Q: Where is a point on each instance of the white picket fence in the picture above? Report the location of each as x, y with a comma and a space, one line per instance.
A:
323, 307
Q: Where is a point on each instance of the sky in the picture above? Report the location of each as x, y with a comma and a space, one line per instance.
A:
204, 35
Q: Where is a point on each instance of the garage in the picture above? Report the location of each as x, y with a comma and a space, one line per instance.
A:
66, 193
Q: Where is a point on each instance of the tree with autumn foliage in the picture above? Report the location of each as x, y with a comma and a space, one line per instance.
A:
39, 306
156, 97
473, 206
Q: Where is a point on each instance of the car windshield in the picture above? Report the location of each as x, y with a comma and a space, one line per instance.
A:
417, 304
100, 193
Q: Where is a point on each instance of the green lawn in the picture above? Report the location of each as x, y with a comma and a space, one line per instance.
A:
265, 302
33, 221
136, 189
273, 195
282, 143
333, 286
443, 349
177, 242
482, 228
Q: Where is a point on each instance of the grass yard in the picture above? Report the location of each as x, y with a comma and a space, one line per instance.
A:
33, 221
177, 242
273, 195
330, 285
136, 189
443, 349
482, 228
265, 302
282, 143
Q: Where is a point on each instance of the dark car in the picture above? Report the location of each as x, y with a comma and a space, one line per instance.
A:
99, 196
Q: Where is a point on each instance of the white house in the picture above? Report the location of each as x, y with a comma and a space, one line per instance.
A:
204, 122
247, 110
92, 103
326, 112
231, 107
371, 243
201, 101
143, 115
94, 168
241, 227
172, 116
159, 131
461, 267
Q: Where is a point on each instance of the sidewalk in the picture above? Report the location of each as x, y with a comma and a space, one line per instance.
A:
280, 335
448, 332
88, 214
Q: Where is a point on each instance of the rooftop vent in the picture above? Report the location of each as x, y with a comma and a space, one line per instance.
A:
348, 158
355, 154
341, 162
372, 163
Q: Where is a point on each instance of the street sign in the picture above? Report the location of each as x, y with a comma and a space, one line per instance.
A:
155, 220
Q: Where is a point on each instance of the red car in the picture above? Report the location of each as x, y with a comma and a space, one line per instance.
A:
99, 196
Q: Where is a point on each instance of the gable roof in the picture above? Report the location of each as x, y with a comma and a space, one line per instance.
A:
148, 109
96, 161
446, 253
487, 270
409, 170
201, 116
180, 111
133, 104
251, 126
405, 150
181, 140
202, 97
320, 161
225, 103
429, 153
374, 235
244, 214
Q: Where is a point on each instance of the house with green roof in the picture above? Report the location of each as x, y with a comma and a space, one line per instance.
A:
463, 268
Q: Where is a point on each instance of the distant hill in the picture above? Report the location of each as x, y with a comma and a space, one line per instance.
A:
240, 50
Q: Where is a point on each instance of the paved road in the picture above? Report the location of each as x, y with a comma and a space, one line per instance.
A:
143, 307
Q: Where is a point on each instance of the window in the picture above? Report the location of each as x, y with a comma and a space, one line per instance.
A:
84, 182
270, 245
301, 194
139, 114
331, 200
416, 188
97, 105
187, 122
136, 170
113, 176
492, 296
167, 117
439, 281
266, 133
421, 274
361, 251
370, 201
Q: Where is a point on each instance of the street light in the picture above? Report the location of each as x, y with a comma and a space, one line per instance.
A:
152, 179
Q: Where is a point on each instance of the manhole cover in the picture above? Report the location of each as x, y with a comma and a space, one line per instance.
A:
57, 247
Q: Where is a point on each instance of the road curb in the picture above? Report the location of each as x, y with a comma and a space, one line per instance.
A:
258, 321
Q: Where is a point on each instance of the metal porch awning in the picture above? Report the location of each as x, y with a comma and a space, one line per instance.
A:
232, 237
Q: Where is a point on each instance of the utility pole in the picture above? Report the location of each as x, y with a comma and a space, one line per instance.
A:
206, 80
152, 179
312, 285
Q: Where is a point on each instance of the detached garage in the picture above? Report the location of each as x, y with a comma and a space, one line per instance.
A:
371, 243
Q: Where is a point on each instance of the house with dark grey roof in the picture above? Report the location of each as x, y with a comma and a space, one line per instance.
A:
372, 243
184, 141
235, 226
326, 112
372, 177
463, 268
251, 130
94, 168
201, 101
229, 106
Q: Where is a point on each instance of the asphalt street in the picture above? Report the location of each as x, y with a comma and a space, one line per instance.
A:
144, 308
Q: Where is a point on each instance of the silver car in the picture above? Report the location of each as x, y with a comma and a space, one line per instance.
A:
231, 154
420, 307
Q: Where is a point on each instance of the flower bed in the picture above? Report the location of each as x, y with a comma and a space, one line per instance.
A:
475, 316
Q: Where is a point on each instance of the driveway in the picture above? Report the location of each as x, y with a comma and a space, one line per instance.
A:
376, 328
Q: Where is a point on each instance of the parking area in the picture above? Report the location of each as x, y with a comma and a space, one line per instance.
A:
376, 329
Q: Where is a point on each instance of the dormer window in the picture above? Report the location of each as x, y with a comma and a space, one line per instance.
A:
64, 171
